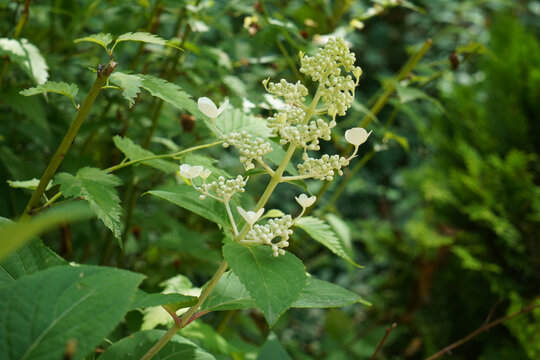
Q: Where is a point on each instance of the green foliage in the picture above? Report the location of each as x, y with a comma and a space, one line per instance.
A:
101, 39
62, 88
98, 188
63, 306
321, 232
275, 284
136, 345
136, 152
27, 56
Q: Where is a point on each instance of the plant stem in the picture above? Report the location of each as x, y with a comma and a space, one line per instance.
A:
186, 318
68, 139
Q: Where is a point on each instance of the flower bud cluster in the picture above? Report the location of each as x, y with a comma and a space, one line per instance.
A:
338, 94
250, 148
324, 168
328, 60
264, 234
307, 136
291, 93
286, 117
222, 189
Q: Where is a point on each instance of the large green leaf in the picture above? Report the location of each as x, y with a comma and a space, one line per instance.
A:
62, 88
28, 184
188, 198
130, 84
27, 56
143, 300
231, 294
168, 92
29, 259
274, 282
136, 345
321, 232
236, 121
135, 152
15, 235
42, 312
98, 188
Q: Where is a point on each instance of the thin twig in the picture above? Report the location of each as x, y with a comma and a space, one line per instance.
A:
485, 327
383, 340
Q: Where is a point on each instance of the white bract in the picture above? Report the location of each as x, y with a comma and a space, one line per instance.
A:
305, 201
251, 217
357, 136
205, 174
208, 108
190, 172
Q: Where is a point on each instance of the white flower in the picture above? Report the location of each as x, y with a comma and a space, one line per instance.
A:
305, 201
357, 136
208, 108
190, 172
251, 217
205, 174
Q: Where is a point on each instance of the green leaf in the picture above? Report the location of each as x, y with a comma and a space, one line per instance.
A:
236, 121
321, 232
169, 92
41, 312
27, 56
130, 84
144, 37
388, 135
29, 259
142, 300
276, 157
272, 349
231, 294
188, 198
274, 283
135, 152
324, 294
97, 187
27, 184
138, 344
205, 335
62, 88
15, 235
102, 39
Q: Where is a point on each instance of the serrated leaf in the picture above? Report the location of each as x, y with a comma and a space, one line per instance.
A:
142, 300
170, 93
27, 184
188, 198
236, 121
130, 84
135, 152
62, 88
231, 294
321, 232
29, 259
142, 37
41, 312
138, 344
102, 39
15, 235
274, 283
98, 188
27, 56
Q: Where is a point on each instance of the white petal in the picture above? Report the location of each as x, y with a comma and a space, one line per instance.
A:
208, 108
357, 136
222, 107
195, 171
205, 174
305, 201
243, 213
184, 170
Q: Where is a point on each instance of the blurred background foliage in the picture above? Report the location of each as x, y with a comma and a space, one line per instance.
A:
443, 209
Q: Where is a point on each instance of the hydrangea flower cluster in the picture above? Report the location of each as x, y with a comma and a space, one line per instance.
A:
297, 125
250, 148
